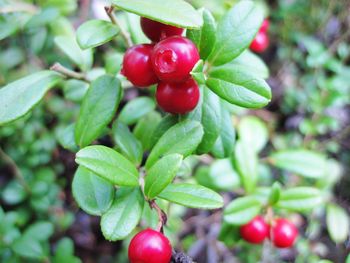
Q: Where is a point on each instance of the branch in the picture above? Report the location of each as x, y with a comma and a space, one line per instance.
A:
68, 73
114, 20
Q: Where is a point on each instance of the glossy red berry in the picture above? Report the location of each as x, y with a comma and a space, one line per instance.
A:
137, 67
255, 231
283, 233
149, 246
156, 31
260, 42
173, 59
264, 26
178, 98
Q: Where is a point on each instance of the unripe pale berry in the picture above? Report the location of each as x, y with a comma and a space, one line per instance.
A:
149, 246
173, 59
255, 231
156, 31
137, 67
283, 233
260, 42
178, 98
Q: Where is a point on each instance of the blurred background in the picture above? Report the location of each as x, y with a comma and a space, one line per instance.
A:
309, 62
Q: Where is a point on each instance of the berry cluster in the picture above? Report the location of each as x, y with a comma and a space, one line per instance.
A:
167, 62
281, 232
261, 40
149, 246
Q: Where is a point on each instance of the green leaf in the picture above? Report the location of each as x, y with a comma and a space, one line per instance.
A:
44, 17
108, 164
239, 87
197, 73
302, 162
220, 176
136, 109
7, 28
192, 195
96, 32
245, 162
224, 144
98, 109
174, 12
250, 62
14, 193
338, 223
241, 210
65, 252
68, 45
93, 194
162, 174
127, 143
20, 96
208, 114
253, 132
205, 37
65, 136
145, 128
124, 215
28, 248
75, 90
275, 193
236, 31
183, 138
165, 124
300, 198
39, 231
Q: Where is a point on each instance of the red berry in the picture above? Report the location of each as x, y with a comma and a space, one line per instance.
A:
283, 233
255, 231
149, 246
260, 42
264, 26
173, 59
178, 97
156, 31
137, 67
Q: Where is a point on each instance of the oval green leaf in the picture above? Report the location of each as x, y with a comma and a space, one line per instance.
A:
183, 138
192, 195
171, 12
124, 215
300, 199
236, 31
225, 142
108, 164
241, 210
127, 143
20, 96
253, 132
301, 161
162, 174
136, 109
93, 194
338, 223
97, 110
239, 87
68, 45
205, 37
96, 32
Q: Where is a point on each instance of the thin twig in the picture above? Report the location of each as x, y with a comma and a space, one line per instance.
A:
125, 34
68, 73
162, 217
16, 171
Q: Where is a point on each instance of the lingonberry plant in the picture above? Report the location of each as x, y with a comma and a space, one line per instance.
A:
132, 158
